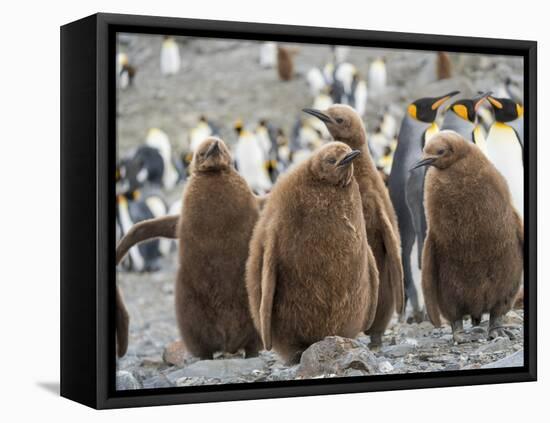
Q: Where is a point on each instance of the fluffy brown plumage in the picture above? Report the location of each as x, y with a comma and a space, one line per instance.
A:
311, 273
344, 124
473, 253
214, 229
285, 63
444, 66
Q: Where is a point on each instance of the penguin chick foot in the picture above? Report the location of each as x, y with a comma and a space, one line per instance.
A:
497, 329
475, 335
375, 342
461, 336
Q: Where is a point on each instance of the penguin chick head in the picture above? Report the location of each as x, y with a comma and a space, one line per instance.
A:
343, 123
332, 163
467, 107
425, 109
505, 109
444, 150
212, 155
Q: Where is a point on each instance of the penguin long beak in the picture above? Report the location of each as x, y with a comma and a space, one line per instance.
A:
495, 102
319, 115
213, 149
424, 162
440, 100
480, 98
348, 158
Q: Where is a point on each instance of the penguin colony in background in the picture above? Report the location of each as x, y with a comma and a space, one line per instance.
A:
280, 256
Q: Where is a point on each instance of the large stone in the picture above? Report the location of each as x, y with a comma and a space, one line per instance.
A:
155, 382
228, 370
513, 360
336, 356
126, 381
400, 350
176, 354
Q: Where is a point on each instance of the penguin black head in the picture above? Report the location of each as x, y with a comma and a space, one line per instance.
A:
238, 126
505, 109
132, 195
332, 164
212, 155
444, 149
343, 123
425, 109
467, 107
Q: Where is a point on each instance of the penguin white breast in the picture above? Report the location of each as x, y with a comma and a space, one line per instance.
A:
268, 54
250, 160
169, 58
126, 224
315, 81
504, 150
361, 98
344, 74
198, 135
377, 76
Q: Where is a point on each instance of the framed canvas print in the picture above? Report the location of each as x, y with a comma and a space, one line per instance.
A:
258, 211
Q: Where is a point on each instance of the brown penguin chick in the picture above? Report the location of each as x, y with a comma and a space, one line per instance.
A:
285, 63
344, 124
310, 272
214, 230
473, 254
444, 65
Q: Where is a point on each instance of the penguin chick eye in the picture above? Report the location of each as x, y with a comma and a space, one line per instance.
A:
339, 120
440, 152
331, 161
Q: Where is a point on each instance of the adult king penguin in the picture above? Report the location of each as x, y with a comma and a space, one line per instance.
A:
461, 117
169, 56
406, 187
473, 255
345, 125
251, 158
505, 145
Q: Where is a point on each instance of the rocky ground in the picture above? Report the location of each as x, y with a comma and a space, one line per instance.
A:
154, 360
223, 80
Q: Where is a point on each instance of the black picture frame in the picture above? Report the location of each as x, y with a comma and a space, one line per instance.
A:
87, 209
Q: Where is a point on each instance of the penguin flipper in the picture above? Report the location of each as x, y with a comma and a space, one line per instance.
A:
519, 228
393, 261
429, 281
160, 227
122, 324
268, 282
374, 284
414, 196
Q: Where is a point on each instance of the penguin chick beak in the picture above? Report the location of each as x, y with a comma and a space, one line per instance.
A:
480, 98
213, 149
440, 100
348, 158
424, 162
319, 115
